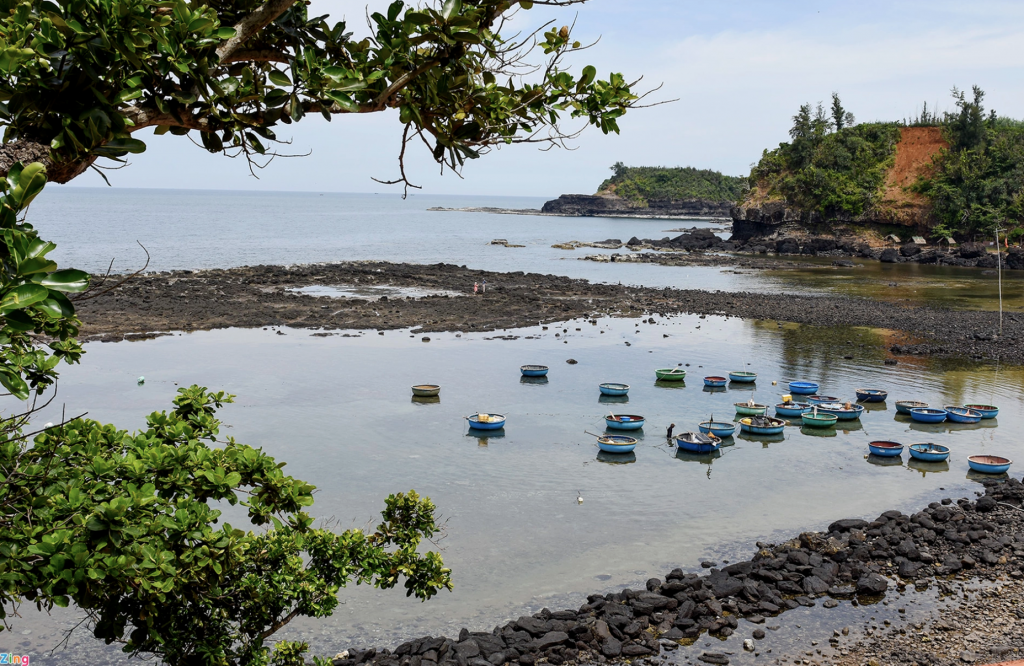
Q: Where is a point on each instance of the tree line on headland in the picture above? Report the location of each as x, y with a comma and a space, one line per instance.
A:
834, 169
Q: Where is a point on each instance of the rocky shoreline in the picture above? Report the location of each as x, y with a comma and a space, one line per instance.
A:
697, 243
942, 545
264, 296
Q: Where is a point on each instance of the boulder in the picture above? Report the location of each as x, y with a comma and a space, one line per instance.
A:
847, 524
889, 256
787, 246
972, 250
872, 584
984, 504
813, 585
988, 261
910, 250
549, 640
1015, 258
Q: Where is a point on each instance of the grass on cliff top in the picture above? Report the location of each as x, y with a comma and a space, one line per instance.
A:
639, 185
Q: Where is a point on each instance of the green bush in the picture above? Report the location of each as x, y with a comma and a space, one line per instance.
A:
642, 184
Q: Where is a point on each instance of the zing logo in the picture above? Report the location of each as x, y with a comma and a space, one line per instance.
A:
8, 658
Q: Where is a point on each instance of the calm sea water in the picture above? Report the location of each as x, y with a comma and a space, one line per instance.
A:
339, 411
216, 229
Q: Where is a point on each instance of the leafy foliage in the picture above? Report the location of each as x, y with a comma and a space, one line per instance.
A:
831, 172
642, 184
33, 299
126, 526
81, 76
978, 184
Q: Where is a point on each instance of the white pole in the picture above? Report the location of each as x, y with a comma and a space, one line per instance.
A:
999, 274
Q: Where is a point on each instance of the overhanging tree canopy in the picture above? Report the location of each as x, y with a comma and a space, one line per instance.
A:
79, 77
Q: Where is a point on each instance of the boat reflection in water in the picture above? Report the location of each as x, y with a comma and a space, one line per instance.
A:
482, 436
981, 477
613, 399
885, 461
426, 399
616, 458
818, 432
700, 458
536, 381
926, 468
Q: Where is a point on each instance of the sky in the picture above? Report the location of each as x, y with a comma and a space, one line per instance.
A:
737, 71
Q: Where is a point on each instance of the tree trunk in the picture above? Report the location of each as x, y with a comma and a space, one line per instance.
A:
27, 151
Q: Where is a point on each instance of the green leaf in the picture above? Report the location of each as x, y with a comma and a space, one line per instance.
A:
19, 320
13, 383
118, 147
23, 296
279, 78
199, 24
450, 8
225, 33
36, 265
69, 279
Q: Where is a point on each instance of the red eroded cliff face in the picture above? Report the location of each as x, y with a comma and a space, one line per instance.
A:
895, 204
915, 155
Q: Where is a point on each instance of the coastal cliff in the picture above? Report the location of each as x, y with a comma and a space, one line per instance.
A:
586, 205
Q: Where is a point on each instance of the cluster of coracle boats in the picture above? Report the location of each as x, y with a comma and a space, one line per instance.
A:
814, 410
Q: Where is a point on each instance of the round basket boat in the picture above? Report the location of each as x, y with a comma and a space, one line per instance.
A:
717, 428
885, 449
792, 408
715, 382
928, 415
871, 395
493, 422
616, 443
533, 370
764, 425
803, 388
989, 464
624, 422
929, 452
611, 388
962, 414
748, 409
843, 412
904, 406
743, 377
986, 411
426, 390
670, 374
692, 442
819, 420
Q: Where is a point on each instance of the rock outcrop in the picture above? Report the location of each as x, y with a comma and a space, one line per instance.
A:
587, 205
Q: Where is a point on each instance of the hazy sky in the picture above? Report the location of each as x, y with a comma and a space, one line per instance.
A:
739, 70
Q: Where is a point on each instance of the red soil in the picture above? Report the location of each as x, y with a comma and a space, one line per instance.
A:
917, 148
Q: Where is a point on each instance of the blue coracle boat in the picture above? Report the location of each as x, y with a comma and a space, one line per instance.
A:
929, 452
762, 425
495, 422
616, 443
792, 408
871, 395
698, 442
803, 388
612, 388
841, 411
624, 422
820, 399
986, 411
715, 381
928, 415
989, 464
886, 449
533, 370
962, 414
743, 377
717, 428
904, 406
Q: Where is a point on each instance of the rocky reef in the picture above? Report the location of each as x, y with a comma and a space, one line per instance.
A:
586, 205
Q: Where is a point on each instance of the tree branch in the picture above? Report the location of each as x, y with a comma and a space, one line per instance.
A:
252, 24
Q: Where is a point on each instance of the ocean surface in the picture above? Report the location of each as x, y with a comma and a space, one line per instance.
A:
194, 229
338, 409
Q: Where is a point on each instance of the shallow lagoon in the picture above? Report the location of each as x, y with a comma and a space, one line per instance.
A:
339, 410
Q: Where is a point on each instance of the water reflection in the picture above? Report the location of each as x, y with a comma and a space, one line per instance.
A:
616, 458
873, 406
818, 432
715, 389
536, 381
484, 436
612, 399
981, 477
426, 399
763, 439
885, 461
667, 384
928, 467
